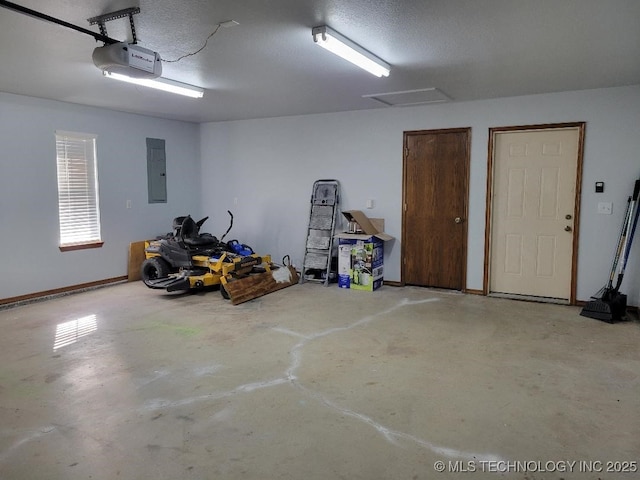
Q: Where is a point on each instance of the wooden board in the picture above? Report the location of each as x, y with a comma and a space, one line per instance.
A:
136, 257
257, 285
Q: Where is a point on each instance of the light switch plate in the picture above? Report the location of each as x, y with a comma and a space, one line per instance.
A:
605, 208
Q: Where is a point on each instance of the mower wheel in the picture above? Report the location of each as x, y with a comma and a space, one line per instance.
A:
154, 268
223, 292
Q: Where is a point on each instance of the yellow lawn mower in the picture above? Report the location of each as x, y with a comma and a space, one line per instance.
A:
185, 259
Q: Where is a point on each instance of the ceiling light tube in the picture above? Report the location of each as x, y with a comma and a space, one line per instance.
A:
345, 48
160, 83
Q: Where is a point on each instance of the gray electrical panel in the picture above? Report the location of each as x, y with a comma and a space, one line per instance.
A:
156, 170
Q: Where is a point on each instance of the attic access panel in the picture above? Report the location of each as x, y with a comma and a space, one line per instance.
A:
410, 97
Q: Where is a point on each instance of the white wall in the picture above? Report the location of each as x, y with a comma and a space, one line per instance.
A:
269, 166
30, 260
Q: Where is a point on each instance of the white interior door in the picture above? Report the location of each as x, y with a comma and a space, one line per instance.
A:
533, 212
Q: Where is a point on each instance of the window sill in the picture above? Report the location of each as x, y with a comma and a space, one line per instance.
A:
80, 246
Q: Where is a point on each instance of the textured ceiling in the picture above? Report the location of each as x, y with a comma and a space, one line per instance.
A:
269, 66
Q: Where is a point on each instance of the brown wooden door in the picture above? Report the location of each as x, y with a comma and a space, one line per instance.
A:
434, 224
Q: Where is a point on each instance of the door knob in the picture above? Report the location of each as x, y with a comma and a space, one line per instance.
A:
567, 228
458, 220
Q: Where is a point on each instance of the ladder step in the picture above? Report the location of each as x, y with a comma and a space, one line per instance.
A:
321, 217
314, 280
316, 261
318, 239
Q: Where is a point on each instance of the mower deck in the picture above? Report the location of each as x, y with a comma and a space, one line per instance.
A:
170, 284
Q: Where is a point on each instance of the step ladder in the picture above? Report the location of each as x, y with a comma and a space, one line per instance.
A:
325, 198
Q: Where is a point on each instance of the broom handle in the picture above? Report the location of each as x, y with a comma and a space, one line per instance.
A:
631, 229
621, 241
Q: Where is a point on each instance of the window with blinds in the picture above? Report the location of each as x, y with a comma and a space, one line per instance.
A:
78, 206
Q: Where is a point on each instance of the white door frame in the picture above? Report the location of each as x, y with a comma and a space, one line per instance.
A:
489, 200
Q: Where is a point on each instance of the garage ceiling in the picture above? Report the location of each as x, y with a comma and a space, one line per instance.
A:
268, 65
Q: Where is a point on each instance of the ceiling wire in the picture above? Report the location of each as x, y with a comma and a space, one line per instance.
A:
197, 51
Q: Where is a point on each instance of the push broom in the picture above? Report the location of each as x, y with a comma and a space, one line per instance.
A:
609, 304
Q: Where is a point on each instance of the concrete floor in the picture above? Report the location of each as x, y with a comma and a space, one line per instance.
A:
314, 383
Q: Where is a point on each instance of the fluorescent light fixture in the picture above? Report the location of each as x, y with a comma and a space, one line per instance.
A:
345, 48
161, 84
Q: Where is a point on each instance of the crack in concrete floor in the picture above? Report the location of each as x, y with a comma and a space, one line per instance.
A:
290, 377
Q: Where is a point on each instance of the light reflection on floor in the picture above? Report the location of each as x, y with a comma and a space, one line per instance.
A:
70, 332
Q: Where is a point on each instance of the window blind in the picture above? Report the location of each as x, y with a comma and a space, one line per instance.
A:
78, 206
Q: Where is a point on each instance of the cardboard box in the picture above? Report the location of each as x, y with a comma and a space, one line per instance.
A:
361, 255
